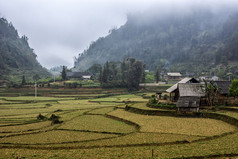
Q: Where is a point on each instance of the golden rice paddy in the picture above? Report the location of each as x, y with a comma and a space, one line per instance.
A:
101, 128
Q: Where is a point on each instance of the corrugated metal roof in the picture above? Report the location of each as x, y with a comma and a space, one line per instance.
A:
175, 86
191, 89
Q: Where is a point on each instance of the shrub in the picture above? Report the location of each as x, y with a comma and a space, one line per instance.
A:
53, 117
56, 121
153, 100
233, 90
166, 97
162, 105
41, 117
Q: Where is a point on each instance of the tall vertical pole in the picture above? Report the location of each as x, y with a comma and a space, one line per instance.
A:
35, 90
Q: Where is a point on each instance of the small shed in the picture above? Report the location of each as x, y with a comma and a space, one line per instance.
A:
190, 96
173, 90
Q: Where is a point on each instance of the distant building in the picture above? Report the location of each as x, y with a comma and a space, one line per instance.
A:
173, 76
173, 90
215, 78
78, 75
88, 77
208, 78
190, 95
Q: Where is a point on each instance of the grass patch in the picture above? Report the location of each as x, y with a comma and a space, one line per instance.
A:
97, 123
87, 132
229, 113
25, 127
138, 139
175, 125
56, 136
101, 111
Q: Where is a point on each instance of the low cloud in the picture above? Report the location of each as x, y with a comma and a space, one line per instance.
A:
60, 29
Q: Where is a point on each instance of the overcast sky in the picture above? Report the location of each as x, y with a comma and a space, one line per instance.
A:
58, 30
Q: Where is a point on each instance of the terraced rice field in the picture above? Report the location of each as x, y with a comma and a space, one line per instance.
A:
176, 125
94, 124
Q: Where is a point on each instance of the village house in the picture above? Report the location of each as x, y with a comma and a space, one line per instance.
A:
190, 95
223, 91
172, 76
173, 90
222, 96
78, 76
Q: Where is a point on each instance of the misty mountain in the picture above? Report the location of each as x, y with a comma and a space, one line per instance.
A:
16, 57
189, 41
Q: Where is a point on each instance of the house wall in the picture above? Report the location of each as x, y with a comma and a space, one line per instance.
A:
174, 96
172, 77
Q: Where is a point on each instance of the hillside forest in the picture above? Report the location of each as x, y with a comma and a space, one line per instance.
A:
17, 59
196, 42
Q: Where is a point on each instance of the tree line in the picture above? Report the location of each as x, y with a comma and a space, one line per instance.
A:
128, 73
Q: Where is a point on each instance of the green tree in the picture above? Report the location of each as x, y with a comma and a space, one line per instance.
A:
23, 82
114, 71
123, 70
63, 73
105, 73
100, 76
95, 68
149, 77
143, 74
157, 75
134, 75
224, 60
36, 77
233, 90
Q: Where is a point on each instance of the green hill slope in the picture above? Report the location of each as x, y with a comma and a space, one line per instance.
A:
194, 41
16, 57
